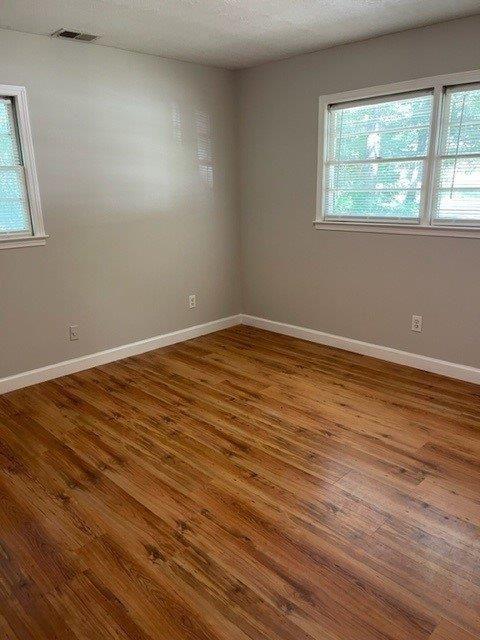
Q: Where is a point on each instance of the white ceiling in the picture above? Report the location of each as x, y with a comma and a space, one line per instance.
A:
228, 33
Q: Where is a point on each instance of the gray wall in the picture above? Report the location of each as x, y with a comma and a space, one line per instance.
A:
363, 286
134, 228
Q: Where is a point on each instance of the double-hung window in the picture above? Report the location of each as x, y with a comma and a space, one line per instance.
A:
21, 221
457, 167
402, 158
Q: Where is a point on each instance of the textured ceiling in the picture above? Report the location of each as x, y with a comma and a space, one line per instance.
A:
228, 33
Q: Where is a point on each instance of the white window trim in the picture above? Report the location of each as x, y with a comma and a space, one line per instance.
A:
426, 225
38, 235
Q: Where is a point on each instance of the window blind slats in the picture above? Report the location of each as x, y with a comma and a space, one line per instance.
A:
393, 97
457, 177
376, 157
389, 189
14, 209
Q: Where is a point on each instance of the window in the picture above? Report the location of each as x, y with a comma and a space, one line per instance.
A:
403, 158
20, 212
457, 171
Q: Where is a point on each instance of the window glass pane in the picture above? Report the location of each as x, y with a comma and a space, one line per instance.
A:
8, 151
373, 189
14, 213
367, 173
6, 119
462, 122
457, 179
458, 189
13, 216
395, 128
14, 210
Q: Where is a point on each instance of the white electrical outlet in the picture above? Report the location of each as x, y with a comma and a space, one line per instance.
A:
74, 333
192, 301
417, 324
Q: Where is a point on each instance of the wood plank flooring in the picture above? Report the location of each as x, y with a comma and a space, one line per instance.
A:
242, 485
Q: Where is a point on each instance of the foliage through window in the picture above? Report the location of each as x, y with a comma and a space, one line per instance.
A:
376, 158
410, 158
457, 175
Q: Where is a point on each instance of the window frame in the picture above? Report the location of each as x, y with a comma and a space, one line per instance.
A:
37, 235
426, 225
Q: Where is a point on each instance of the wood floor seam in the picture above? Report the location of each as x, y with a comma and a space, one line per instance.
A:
243, 485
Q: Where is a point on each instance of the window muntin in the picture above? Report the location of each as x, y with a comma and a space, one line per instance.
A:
457, 167
419, 175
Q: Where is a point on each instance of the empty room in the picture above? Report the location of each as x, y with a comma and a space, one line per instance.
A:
239, 320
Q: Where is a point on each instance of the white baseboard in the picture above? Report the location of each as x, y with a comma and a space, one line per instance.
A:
442, 367
51, 371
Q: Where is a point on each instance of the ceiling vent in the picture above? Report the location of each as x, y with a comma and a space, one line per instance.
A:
68, 34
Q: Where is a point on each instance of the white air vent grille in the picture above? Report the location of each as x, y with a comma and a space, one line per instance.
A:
69, 34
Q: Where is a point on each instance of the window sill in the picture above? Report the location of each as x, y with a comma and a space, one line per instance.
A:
399, 229
17, 243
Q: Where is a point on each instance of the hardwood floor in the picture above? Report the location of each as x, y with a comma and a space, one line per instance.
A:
241, 485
